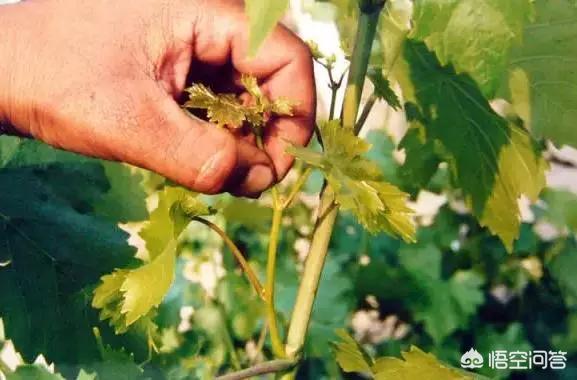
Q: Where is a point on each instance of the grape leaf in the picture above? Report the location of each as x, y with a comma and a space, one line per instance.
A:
561, 208
416, 365
46, 220
562, 267
168, 219
116, 364
494, 162
393, 29
125, 199
144, 288
126, 296
17, 152
347, 15
475, 36
542, 70
228, 110
222, 109
257, 113
331, 309
421, 162
332, 304
242, 306
383, 89
379, 206
107, 189
250, 214
32, 372
83, 375
512, 338
442, 305
263, 16
350, 355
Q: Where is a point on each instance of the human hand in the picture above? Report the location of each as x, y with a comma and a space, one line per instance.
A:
103, 77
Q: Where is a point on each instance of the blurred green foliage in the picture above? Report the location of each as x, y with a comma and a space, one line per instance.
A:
63, 220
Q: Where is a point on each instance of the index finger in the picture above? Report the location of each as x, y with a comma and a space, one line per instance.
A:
283, 67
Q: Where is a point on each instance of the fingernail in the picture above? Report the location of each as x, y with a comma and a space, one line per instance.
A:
208, 175
259, 178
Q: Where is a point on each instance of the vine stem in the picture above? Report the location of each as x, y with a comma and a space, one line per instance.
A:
328, 209
334, 86
227, 337
365, 113
367, 27
253, 279
300, 182
308, 287
272, 366
277, 345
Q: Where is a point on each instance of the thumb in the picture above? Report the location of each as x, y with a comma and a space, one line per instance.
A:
199, 155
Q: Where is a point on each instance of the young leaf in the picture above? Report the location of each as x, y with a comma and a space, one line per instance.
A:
144, 288
222, 109
494, 162
417, 365
228, 110
168, 220
126, 296
350, 355
356, 181
263, 16
543, 70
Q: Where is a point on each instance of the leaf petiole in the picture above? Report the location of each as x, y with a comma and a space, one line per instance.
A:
365, 113
253, 279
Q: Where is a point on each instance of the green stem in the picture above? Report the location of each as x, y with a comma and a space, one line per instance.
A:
334, 91
277, 345
328, 209
367, 27
365, 113
334, 85
253, 279
260, 369
260, 343
227, 337
312, 273
297, 187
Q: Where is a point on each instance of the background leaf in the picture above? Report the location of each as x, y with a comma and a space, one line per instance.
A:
263, 17
492, 161
547, 60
